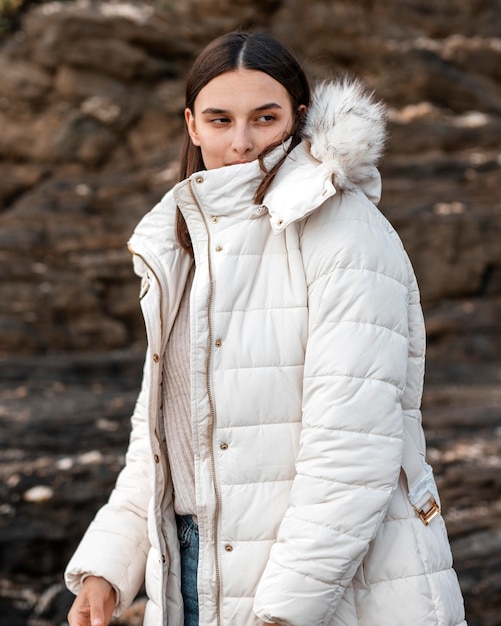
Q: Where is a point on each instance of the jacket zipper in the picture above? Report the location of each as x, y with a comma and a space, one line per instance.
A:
157, 437
212, 413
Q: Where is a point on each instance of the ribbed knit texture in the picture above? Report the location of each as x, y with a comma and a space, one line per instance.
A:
177, 408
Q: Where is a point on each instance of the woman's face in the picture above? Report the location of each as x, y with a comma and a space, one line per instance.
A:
237, 115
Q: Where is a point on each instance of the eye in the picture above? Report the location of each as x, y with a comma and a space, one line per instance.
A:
266, 118
219, 120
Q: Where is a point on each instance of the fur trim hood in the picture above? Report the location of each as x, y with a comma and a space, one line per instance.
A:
346, 129
343, 137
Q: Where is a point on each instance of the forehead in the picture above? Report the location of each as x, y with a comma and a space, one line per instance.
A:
241, 89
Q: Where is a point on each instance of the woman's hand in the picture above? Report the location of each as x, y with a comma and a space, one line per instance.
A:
94, 604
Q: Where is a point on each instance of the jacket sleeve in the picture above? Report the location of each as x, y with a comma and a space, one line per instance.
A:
116, 543
351, 442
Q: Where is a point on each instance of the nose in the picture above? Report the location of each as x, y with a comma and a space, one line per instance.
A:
242, 139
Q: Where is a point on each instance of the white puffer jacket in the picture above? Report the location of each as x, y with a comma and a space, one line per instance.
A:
307, 353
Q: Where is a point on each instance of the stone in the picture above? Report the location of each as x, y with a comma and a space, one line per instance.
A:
17, 177
76, 84
38, 493
23, 81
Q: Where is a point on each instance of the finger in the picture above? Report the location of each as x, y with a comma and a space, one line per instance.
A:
78, 615
96, 603
97, 615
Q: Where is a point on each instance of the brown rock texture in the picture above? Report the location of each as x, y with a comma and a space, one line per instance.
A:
91, 103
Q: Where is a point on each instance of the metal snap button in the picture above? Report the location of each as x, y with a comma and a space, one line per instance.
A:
214, 219
259, 210
224, 446
228, 548
219, 248
199, 179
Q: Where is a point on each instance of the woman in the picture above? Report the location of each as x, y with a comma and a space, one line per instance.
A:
276, 471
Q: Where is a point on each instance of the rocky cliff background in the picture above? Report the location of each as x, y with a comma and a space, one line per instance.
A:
91, 102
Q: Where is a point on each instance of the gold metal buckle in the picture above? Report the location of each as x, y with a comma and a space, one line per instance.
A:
430, 514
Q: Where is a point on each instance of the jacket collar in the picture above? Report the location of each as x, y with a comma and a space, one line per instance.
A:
344, 135
343, 138
227, 191
303, 184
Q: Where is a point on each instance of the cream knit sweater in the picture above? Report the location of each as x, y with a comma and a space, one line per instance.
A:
177, 408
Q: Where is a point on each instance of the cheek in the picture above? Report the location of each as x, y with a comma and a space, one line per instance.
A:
204, 141
209, 145
287, 124
283, 129
213, 152
290, 123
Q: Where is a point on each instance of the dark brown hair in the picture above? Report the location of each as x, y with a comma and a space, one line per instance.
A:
251, 51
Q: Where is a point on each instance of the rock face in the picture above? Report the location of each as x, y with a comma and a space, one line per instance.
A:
91, 103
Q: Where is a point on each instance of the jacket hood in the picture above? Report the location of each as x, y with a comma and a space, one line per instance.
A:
343, 138
346, 129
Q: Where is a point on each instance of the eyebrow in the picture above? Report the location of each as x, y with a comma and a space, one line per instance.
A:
263, 107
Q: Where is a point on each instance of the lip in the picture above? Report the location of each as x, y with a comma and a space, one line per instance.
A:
238, 162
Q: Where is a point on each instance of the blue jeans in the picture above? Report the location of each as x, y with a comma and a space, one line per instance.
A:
187, 532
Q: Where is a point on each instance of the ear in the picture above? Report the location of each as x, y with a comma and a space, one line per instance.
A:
190, 125
302, 109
